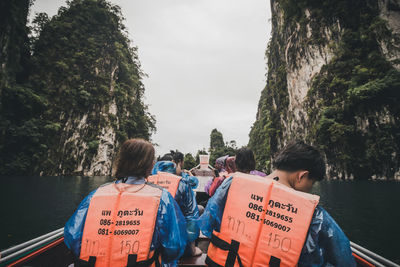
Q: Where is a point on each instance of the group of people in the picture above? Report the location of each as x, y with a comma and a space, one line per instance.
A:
149, 215
244, 161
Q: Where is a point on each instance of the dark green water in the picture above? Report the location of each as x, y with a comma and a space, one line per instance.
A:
367, 211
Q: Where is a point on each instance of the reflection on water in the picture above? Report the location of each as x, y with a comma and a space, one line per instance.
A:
32, 206
367, 211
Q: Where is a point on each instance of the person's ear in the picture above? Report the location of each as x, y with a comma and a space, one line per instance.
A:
301, 175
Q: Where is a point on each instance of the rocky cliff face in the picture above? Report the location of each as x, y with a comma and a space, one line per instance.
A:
16, 99
81, 98
92, 76
14, 50
333, 80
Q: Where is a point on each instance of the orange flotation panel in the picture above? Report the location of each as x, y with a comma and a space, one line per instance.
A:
166, 180
264, 224
119, 225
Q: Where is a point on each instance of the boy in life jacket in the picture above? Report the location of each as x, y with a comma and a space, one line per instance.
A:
298, 166
184, 196
128, 222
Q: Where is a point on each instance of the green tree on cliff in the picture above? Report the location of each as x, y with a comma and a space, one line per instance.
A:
351, 103
189, 161
219, 148
84, 91
20, 105
216, 140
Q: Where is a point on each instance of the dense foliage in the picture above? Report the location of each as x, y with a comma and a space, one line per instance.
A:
351, 104
20, 106
219, 148
267, 130
84, 86
189, 161
216, 140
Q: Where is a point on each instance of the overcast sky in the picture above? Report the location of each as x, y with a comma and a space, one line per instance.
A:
205, 62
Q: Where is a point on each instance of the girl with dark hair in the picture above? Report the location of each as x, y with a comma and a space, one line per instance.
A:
129, 221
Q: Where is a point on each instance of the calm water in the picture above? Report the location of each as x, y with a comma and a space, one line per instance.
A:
367, 211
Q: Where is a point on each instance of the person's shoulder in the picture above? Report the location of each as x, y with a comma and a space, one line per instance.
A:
321, 214
326, 222
223, 188
227, 182
166, 197
86, 201
155, 186
319, 211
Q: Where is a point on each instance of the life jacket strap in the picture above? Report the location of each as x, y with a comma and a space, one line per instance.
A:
132, 261
90, 263
274, 262
232, 247
233, 254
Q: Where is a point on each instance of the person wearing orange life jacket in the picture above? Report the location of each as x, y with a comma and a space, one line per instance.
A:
128, 222
277, 233
181, 189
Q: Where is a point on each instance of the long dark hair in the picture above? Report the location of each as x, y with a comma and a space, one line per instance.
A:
177, 156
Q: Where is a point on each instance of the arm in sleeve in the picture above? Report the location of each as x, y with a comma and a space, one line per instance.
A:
186, 200
73, 229
211, 218
170, 229
335, 243
193, 181
326, 244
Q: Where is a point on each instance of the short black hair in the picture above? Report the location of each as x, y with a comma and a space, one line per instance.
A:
166, 157
297, 155
176, 156
245, 161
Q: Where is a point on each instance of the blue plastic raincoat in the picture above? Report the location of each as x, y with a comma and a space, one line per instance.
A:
185, 197
326, 244
169, 166
169, 236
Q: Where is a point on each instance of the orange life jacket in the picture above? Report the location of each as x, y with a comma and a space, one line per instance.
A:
264, 224
119, 226
166, 180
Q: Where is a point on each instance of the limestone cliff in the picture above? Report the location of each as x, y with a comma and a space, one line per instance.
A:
82, 97
92, 76
333, 80
16, 99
